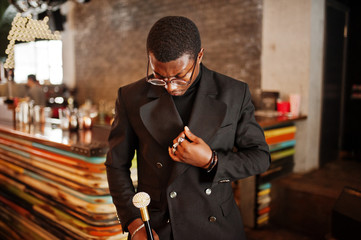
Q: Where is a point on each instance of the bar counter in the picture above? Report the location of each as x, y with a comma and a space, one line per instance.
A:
271, 122
53, 182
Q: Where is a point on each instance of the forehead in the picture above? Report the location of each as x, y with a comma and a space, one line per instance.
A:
170, 68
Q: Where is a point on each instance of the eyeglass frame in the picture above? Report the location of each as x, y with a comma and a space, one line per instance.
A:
174, 78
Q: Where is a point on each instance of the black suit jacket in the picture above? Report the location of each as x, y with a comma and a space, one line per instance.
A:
186, 201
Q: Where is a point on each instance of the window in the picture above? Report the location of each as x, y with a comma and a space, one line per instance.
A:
42, 58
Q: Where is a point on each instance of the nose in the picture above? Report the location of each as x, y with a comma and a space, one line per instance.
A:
168, 85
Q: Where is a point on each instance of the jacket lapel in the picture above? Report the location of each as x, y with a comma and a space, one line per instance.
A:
208, 112
161, 117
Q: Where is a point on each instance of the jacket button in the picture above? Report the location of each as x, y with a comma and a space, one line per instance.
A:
159, 165
212, 219
168, 221
208, 191
173, 194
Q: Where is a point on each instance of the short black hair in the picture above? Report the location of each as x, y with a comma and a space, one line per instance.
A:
171, 37
32, 77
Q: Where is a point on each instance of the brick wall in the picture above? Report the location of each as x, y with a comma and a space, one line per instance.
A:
110, 40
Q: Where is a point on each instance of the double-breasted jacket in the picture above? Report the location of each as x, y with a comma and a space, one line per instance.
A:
186, 201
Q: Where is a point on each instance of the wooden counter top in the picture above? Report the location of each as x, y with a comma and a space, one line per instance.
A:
91, 142
267, 122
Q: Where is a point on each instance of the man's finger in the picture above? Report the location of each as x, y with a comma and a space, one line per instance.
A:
181, 135
172, 155
190, 135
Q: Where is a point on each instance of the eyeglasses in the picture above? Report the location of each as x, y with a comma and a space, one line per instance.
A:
176, 81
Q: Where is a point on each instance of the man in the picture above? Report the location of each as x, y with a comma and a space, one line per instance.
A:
35, 91
194, 132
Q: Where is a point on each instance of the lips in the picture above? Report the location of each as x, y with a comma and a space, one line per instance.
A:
177, 93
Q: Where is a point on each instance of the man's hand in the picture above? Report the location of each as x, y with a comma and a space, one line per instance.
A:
194, 152
141, 234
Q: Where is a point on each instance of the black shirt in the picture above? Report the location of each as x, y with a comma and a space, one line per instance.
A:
185, 102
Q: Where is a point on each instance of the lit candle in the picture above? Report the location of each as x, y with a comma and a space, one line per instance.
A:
87, 122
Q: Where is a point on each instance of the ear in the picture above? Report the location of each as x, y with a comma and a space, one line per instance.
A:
200, 55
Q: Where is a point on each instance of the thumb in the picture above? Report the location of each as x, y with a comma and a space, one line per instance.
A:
190, 135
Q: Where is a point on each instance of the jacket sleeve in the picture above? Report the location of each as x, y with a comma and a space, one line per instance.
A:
122, 144
251, 153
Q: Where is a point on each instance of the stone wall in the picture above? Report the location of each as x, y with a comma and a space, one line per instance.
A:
110, 36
